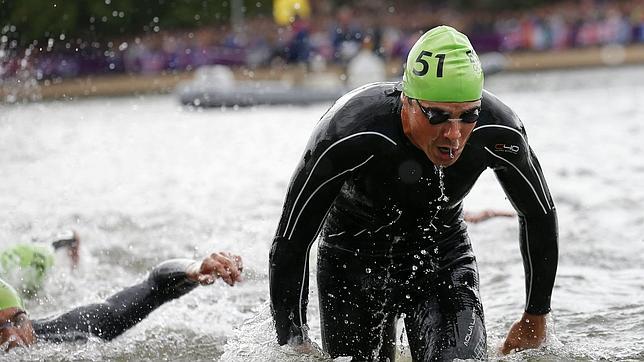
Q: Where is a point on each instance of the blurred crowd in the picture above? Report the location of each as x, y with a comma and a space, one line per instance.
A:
333, 35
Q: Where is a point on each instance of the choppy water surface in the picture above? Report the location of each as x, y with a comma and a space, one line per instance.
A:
143, 180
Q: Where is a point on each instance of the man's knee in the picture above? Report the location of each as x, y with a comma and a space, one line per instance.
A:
435, 334
361, 340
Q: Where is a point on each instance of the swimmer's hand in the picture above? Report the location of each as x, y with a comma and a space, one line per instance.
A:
222, 265
476, 217
528, 332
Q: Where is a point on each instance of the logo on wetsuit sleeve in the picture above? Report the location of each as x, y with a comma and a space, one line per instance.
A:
502, 147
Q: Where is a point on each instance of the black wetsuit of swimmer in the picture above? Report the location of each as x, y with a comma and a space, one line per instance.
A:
393, 239
109, 319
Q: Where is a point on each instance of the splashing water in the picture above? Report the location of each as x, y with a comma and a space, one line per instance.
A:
18, 81
255, 341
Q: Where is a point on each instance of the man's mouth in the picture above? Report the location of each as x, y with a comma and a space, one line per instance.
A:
447, 151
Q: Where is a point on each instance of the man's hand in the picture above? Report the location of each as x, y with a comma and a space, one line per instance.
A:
218, 264
528, 332
476, 217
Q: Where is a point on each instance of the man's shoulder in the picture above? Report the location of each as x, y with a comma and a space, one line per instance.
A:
369, 99
373, 109
497, 119
372, 90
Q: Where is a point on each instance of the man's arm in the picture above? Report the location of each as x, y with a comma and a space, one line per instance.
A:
109, 319
325, 165
522, 179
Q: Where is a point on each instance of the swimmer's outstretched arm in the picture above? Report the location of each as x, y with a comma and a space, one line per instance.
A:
169, 280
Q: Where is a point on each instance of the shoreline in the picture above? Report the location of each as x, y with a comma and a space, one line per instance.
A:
124, 85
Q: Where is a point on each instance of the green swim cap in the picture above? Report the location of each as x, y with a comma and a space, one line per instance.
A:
9, 297
443, 67
26, 265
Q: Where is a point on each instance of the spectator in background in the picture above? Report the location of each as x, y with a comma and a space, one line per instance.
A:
346, 35
298, 48
335, 37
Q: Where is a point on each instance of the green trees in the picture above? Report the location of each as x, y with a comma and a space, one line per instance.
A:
92, 20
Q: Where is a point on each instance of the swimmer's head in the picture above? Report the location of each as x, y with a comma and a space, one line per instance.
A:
15, 327
26, 265
443, 67
442, 89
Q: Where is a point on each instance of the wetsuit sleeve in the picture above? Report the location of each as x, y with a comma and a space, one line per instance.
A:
122, 310
520, 175
325, 165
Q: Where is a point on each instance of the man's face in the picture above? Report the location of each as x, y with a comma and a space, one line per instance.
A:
442, 142
15, 329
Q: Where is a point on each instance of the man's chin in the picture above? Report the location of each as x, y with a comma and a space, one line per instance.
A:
445, 164
442, 160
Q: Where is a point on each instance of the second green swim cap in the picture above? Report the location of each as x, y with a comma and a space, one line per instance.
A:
443, 67
26, 265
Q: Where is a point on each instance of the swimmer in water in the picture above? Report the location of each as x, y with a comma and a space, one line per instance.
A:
26, 265
109, 319
382, 181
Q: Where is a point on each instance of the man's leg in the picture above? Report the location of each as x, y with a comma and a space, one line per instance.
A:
449, 323
356, 317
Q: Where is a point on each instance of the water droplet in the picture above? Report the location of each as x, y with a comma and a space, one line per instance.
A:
368, 270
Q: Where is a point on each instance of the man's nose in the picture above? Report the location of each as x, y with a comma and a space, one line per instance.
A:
453, 129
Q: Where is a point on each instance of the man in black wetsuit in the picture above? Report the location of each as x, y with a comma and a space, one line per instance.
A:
382, 180
109, 319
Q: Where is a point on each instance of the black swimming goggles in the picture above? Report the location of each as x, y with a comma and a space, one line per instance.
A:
437, 116
17, 320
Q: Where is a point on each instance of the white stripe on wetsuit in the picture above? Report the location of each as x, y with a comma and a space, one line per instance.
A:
308, 248
318, 188
529, 160
313, 169
522, 175
527, 243
306, 260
